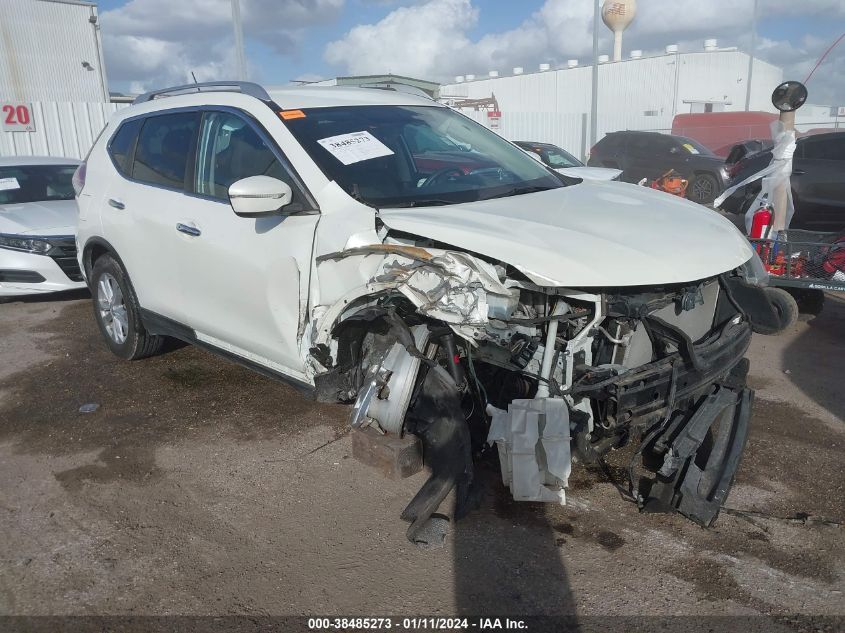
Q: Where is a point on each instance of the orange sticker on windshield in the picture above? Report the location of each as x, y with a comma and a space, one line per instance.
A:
292, 114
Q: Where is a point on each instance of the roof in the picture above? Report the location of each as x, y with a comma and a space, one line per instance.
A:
296, 97
286, 98
23, 161
536, 144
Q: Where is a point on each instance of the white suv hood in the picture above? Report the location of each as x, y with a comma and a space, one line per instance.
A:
53, 217
595, 234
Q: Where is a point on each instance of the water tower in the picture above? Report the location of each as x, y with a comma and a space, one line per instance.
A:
617, 15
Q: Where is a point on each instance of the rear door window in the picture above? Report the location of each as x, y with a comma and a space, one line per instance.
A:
122, 145
165, 148
641, 145
824, 148
228, 150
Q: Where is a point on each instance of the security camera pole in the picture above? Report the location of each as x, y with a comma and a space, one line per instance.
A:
787, 98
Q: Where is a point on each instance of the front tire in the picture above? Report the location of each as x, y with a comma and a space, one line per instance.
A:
118, 314
703, 189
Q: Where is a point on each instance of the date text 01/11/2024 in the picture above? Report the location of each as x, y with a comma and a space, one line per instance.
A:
416, 624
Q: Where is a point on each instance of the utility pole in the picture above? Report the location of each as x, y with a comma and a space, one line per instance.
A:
751, 57
240, 55
594, 124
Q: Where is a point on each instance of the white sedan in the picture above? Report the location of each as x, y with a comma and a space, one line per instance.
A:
565, 163
37, 226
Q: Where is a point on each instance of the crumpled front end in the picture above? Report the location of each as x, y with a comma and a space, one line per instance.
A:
467, 353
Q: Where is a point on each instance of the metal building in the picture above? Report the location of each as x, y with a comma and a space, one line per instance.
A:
639, 93
50, 50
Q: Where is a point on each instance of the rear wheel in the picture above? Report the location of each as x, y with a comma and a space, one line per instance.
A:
703, 189
117, 312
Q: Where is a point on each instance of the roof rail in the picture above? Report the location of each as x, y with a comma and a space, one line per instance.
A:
398, 87
246, 87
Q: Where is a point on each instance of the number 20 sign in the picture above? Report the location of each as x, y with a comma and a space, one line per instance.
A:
16, 117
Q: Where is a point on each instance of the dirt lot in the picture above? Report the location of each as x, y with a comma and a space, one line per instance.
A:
198, 487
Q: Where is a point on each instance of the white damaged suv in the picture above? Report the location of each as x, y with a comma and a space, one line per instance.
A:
378, 248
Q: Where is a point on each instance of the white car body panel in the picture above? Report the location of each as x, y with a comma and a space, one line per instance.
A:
55, 279
589, 173
590, 235
53, 217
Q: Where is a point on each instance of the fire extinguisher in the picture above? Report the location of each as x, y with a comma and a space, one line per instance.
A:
761, 222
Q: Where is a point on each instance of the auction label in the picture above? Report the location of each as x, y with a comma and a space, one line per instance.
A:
355, 147
7, 184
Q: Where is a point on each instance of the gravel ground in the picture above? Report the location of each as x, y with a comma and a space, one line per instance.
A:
200, 488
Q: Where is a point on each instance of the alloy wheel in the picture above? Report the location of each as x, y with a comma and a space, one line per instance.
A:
702, 188
112, 308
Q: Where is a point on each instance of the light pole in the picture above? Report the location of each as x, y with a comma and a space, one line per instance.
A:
594, 124
751, 57
240, 55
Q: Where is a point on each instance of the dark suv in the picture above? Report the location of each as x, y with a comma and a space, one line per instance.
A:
651, 154
818, 182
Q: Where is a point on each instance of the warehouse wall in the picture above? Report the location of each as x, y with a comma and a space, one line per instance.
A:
43, 44
641, 94
61, 129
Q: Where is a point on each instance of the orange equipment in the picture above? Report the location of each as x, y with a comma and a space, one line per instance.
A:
671, 182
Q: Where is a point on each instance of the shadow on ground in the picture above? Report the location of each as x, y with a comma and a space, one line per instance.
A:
508, 559
815, 360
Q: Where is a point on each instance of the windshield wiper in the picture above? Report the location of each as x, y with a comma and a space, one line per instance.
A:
518, 191
421, 203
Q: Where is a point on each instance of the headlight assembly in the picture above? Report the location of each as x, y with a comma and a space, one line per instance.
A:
753, 272
25, 244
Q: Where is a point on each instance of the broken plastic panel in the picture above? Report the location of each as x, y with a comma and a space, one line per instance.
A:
532, 438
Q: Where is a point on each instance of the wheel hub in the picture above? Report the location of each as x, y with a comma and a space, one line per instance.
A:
112, 308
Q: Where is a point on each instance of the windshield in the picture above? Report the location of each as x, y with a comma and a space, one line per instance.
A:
556, 157
694, 147
415, 155
36, 183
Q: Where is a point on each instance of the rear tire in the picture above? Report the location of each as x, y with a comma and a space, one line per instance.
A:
785, 307
117, 312
703, 189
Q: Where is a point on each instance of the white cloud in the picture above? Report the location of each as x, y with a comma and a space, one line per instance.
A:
418, 38
432, 38
157, 42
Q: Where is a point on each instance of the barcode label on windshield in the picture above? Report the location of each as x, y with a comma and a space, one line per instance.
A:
7, 184
355, 147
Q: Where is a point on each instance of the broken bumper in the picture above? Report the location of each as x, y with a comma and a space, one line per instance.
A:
701, 454
646, 391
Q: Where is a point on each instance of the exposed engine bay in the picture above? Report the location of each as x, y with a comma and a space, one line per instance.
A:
468, 354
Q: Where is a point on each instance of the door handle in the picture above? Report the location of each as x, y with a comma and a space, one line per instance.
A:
117, 204
188, 230
798, 172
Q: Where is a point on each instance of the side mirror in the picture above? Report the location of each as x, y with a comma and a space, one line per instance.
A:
258, 196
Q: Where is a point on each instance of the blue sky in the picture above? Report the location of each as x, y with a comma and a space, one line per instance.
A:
149, 42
